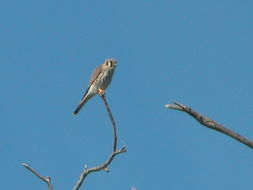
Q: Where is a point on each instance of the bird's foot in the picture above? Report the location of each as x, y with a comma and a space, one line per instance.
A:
101, 92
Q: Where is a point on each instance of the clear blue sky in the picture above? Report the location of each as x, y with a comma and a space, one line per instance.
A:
196, 52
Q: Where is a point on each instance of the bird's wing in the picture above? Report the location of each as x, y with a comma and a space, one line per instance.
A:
95, 74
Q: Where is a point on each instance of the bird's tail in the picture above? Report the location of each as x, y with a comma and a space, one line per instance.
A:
85, 98
79, 107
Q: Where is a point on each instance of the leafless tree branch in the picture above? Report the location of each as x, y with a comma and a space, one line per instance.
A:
203, 120
87, 170
113, 122
115, 152
47, 180
103, 166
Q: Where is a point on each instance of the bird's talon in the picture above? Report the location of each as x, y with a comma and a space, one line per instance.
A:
101, 92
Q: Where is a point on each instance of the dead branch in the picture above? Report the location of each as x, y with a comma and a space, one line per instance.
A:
103, 166
203, 120
47, 180
115, 152
113, 122
87, 170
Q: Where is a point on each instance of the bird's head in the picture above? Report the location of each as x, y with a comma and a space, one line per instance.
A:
110, 63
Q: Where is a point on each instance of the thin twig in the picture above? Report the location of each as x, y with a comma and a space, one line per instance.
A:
87, 171
203, 120
112, 120
47, 180
115, 152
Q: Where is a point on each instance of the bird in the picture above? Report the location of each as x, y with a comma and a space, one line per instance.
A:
99, 81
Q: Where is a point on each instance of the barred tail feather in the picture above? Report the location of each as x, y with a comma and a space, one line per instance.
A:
88, 95
79, 107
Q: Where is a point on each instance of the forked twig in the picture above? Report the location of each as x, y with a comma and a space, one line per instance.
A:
203, 120
103, 166
87, 170
47, 180
115, 152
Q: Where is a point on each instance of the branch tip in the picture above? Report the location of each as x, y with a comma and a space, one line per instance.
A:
167, 105
106, 170
24, 164
205, 121
123, 149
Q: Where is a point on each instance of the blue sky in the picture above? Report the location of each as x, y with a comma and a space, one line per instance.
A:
196, 52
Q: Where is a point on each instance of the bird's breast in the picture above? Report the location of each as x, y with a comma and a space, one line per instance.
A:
105, 79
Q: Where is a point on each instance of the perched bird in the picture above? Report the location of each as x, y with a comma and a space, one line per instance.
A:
99, 81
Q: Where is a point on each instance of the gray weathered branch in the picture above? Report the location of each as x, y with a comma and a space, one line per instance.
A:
115, 152
47, 180
113, 123
203, 120
103, 166
87, 170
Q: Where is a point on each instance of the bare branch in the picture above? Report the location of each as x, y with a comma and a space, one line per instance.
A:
203, 120
113, 122
47, 180
115, 152
87, 170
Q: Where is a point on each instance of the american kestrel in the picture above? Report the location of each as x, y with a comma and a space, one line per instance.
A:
99, 81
